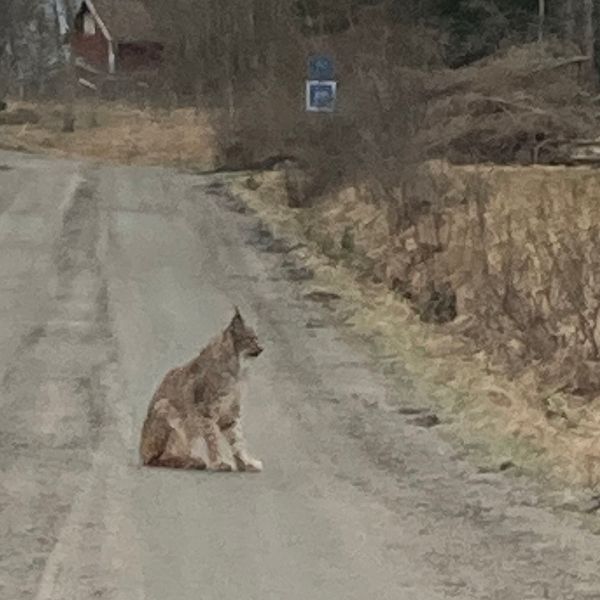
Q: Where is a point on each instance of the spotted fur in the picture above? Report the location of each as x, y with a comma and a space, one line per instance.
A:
202, 399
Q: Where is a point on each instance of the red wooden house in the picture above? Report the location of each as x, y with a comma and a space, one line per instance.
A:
116, 35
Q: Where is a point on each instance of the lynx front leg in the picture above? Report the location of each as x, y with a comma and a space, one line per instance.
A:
210, 433
204, 396
235, 437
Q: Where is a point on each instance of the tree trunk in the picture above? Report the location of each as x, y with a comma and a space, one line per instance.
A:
541, 19
569, 20
588, 39
69, 70
70, 93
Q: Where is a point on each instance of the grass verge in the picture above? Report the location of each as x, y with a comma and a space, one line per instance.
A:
499, 421
115, 132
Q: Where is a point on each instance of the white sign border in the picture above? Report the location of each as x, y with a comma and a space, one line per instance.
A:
311, 108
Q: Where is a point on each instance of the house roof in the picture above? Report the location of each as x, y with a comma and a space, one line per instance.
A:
126, 20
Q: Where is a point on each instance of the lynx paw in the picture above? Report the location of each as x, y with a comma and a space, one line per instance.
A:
252, 465
197, 464
222, 467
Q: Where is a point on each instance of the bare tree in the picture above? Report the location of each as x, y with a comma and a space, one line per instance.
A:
65, 17
577, 23
223, 52
15, 14
569, 19
588, 38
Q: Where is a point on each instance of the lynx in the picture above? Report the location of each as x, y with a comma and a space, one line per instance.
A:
200, 400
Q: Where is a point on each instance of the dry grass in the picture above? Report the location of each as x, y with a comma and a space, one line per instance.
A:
117, 132
509, 418
516, 106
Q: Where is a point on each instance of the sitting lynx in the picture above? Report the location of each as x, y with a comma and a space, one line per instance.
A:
201, 399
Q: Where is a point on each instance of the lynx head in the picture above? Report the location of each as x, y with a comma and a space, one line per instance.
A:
244, 337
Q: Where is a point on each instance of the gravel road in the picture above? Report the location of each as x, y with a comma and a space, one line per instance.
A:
109, 276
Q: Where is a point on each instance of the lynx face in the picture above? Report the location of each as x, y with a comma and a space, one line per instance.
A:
244, 338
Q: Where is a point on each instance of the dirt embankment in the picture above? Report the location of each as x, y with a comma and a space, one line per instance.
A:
499, 268
512, 251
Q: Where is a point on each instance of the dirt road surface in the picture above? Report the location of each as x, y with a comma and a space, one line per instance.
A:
109, 277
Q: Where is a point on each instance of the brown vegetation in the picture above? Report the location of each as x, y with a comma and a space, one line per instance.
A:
399, 103
515, 107
509, 383
115, 132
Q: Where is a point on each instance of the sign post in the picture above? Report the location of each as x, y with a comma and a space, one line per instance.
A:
321, 86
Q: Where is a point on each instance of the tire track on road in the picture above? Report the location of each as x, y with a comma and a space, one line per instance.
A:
53, 494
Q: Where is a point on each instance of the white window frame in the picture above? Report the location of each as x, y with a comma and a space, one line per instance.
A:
89, 24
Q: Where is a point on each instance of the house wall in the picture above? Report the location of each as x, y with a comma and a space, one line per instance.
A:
92, 48
134, 56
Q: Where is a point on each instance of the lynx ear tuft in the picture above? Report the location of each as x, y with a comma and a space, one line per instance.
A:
237, 317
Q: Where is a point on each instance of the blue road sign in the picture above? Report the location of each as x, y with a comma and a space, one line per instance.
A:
321, 96
320, 67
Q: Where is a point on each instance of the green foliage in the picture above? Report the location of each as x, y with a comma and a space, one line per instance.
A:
475, 28
478, 27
